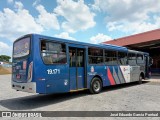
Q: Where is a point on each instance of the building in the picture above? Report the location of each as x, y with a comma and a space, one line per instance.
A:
147, 42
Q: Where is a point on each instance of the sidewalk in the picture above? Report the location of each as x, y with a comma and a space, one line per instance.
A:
154, 79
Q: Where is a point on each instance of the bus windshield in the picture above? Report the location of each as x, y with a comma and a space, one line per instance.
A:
21, 47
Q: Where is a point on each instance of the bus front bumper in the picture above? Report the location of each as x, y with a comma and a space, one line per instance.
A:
25, 87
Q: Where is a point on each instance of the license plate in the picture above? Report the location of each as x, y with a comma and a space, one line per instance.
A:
18, 76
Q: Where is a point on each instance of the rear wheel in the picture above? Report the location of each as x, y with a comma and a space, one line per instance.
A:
96, 86
140, 79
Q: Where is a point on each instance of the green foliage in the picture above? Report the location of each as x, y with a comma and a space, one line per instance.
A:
4, 58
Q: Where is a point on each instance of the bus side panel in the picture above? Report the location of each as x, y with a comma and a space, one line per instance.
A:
39, 70
120, 75
58, 80
40, 87
117, 74
49, 78
95, 70
135, 72
106, 81
126, 73
114, 72
113, 75
110, 75
40, 77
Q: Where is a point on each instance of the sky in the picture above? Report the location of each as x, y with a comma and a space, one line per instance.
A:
91, 21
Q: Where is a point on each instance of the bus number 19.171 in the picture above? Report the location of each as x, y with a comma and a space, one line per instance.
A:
53, 71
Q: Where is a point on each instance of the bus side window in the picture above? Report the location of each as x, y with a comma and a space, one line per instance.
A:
122, 58
46, 57
132, 59
140, 58
95, 56
52, 52
110, 57
43, 46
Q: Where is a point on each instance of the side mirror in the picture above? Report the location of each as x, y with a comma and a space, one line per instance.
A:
150, 61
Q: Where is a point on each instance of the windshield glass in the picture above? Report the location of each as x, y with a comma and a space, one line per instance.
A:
21, 47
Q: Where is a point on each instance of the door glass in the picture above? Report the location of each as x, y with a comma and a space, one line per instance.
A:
76, 57
80, 58
72, 54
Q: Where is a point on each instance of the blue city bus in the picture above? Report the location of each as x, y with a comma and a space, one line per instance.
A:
46, 65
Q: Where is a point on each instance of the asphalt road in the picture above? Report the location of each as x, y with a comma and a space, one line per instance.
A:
126, 97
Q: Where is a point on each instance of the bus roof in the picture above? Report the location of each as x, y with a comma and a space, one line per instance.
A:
105, 46
140, 52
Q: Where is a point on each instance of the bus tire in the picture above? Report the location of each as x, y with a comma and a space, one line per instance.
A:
140, 79
96, 86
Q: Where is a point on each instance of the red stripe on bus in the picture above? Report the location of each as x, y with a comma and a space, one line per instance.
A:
110, 77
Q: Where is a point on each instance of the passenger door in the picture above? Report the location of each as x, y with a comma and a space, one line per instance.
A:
147, 66
77, 68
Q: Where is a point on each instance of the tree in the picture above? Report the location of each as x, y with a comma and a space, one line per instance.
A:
4, 58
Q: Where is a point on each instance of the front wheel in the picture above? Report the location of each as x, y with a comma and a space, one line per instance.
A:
96, 86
